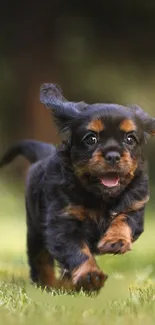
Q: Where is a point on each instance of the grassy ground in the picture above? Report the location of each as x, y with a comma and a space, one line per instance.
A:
128, 296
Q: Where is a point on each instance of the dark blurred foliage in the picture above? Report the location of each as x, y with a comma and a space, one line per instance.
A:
96, 51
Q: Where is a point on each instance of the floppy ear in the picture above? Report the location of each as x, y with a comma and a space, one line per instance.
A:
63, 111
146, 119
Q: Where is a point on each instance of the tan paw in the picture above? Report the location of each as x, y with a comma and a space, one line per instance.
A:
114, 245
89, 278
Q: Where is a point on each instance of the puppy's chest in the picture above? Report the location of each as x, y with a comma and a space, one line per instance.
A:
93, 221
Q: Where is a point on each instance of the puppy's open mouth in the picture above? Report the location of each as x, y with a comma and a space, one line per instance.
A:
110, 179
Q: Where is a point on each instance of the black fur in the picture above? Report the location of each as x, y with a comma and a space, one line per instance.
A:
63, 177
31, 149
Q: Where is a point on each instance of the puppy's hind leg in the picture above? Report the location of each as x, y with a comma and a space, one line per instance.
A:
40, 261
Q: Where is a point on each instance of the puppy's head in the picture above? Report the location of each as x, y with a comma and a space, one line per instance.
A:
106, 140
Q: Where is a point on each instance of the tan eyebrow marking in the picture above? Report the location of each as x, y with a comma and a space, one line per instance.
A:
96, 125
127, 126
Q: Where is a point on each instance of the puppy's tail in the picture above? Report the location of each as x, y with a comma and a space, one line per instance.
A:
32, 150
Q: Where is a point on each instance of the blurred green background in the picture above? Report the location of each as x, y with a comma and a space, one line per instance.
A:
102, 51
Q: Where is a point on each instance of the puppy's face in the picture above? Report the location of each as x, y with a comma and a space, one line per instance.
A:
105, 140
106, 148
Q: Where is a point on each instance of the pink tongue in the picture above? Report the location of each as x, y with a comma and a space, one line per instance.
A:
110, 181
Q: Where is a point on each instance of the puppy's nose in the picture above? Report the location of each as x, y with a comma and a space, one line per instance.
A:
112, 157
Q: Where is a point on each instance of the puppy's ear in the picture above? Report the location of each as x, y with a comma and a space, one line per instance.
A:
147, 121
63, 111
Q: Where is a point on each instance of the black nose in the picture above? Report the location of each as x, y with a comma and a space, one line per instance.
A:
112, 157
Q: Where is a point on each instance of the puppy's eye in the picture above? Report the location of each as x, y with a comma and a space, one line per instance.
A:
90, 139
130, 140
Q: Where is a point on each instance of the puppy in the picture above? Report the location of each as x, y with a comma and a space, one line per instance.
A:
88, 195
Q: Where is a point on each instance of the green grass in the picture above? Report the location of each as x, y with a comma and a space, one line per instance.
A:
128, 296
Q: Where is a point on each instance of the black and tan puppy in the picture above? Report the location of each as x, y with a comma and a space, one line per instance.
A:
88, 195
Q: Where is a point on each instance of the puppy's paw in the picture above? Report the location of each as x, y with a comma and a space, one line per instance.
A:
89, 278
117, 239
114, 245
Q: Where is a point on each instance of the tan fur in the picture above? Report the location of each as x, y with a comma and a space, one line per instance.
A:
137, 205
130, 163
127, 126
89, 267
80, 213
96, 126
118, 231
45, 269
76, 211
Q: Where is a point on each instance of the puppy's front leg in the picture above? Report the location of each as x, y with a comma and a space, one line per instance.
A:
123, 230
66, 244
